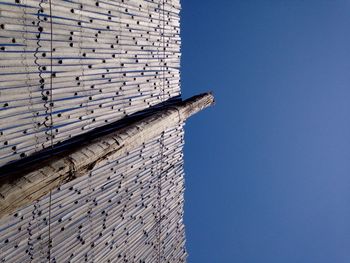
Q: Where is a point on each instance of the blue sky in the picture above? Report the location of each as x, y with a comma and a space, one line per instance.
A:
268, 168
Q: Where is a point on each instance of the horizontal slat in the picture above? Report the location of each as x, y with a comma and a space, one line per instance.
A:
109, 59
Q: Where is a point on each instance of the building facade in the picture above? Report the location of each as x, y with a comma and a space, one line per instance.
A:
74, 69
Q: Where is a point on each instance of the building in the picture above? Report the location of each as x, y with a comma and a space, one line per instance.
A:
95, 86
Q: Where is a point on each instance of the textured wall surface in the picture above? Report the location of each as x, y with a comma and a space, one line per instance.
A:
67, 67
70, 66
125, 210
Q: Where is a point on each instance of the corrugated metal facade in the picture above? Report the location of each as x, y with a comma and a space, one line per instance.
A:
68, 67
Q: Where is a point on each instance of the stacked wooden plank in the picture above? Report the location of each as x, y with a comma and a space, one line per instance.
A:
67, 67
23, 186
128, 209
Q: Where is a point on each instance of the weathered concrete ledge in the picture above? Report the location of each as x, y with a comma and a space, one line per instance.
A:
55, 171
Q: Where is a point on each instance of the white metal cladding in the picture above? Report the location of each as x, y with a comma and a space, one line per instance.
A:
68, 66
111, 214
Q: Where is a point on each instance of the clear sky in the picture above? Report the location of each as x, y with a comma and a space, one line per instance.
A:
268, 168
